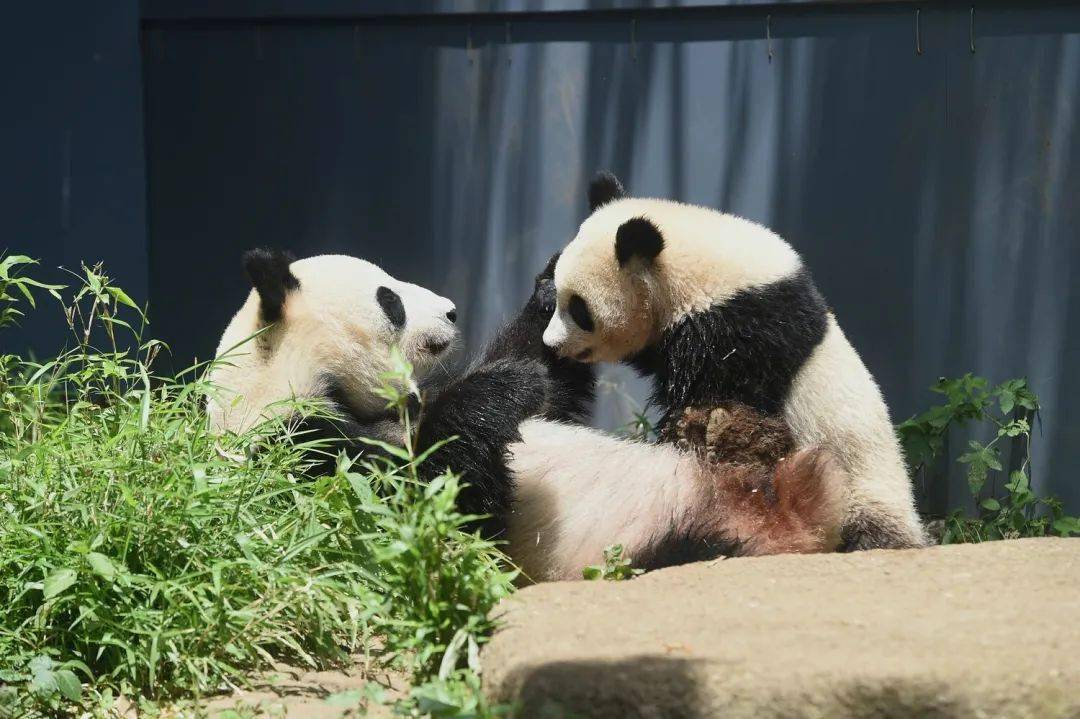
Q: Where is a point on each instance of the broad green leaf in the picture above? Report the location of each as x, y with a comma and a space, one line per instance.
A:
101, 565
41, 663
991, 504
1018, 482
1008, 401
58, 582
47, 680
1067, 525
69, 685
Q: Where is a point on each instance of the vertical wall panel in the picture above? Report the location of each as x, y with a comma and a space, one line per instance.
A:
72, 180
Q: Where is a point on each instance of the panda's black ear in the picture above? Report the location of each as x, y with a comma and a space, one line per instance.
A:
638, 238
604, 188
269, 273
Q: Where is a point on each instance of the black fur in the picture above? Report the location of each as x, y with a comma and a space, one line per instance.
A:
675, 548
391, 306
574, 383
483, 410
517, 378
638, 238
344, 426
604, 188
269, 273
747, 349
579, 312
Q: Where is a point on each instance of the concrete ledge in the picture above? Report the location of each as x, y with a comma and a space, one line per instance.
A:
962, 631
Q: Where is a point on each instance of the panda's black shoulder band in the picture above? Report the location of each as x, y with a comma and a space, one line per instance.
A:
269, 273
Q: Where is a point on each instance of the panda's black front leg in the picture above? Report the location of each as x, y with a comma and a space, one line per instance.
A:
482, 410
517, 378
343, 431
573, 383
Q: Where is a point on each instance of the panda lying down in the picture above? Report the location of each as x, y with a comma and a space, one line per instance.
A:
556, 491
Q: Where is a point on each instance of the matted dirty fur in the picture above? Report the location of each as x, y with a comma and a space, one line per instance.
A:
777, 498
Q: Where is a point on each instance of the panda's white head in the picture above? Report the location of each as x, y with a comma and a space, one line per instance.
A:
327, 319
638, 265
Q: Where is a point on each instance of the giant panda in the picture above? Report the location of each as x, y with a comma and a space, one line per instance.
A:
556, 491
716, 308
323, 327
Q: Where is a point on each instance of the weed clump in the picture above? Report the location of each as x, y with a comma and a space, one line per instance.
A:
1008, 507
141, 554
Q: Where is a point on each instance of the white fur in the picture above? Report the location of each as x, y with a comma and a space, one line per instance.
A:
578, 491
835, 403
707, 257
332, 325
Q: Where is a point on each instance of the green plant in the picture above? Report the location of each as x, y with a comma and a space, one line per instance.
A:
1009, 408
640, 427
142, 554
439, 580
616, 567
14, 286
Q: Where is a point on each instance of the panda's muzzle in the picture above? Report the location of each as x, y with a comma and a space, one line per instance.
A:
436, 346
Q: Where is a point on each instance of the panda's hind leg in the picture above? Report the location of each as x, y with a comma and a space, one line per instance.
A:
872, 527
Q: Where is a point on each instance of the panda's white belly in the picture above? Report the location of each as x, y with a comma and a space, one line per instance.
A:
578, 490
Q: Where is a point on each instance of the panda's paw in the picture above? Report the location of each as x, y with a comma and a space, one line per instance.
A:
525, 386
544, 296
500, 393
544, 287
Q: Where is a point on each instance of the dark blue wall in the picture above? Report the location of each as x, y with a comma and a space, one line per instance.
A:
72, 170
932, 189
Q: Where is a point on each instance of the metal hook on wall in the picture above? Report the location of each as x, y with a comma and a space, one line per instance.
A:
508, 58
918, 33
633, 39
469, 43
768, 36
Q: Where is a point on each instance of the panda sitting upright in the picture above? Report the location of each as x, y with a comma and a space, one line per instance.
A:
557, 492
717, 309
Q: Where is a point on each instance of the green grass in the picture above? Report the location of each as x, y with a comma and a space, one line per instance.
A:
142, 555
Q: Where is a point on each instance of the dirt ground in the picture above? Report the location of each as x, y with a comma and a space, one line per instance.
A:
300, 694
293, 693
961, 631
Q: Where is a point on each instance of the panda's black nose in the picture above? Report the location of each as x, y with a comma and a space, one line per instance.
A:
452, 315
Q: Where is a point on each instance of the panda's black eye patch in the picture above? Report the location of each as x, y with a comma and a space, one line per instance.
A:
579, 312
391, 306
